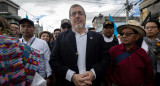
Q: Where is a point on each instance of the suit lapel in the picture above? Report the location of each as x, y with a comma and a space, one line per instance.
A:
88, 48
73, 41
74, 46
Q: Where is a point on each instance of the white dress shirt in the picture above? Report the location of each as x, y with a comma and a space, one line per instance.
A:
81, 42
42, 46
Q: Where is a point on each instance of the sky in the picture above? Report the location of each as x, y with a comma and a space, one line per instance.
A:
51, 12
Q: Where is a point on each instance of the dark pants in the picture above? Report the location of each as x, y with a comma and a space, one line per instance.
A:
104, 82
157, 79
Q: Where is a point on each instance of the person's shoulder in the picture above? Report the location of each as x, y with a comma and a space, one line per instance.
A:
40, 40
7, 39
142, 54
116, 47
11, 43
141, 51
95, 34
66, 32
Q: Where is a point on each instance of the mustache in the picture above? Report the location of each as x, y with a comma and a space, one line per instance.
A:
78, 19
124, 38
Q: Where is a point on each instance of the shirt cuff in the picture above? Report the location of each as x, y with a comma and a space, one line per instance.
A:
93, 73
48, 74
69, 75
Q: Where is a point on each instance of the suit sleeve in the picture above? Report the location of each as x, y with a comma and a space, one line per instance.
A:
101, 67
55, 62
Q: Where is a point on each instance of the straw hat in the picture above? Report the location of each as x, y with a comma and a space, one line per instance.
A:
133, 24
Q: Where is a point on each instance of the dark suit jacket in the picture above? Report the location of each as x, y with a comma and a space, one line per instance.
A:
64, 56
114, 42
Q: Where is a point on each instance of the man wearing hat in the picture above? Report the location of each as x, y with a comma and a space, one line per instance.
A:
65, 25
28, 37
108, 34
130, 64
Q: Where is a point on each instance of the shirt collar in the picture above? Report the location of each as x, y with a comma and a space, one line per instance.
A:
122, 48
86, 31
107, 37
30, 39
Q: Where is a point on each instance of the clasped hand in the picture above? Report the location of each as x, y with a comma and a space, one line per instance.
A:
84, 79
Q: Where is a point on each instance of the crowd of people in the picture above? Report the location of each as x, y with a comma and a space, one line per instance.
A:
78, 56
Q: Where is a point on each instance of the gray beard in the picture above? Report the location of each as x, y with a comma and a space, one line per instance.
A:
79, 27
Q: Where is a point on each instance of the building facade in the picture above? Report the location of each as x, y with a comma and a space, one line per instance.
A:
150, 6
38, 29
9, 10
98, 21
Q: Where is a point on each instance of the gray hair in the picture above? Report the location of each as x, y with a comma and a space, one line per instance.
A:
76, 5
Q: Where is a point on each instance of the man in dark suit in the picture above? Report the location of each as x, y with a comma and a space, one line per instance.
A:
79, 57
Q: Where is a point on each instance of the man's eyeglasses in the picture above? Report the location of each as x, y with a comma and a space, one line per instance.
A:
80, 13
126, 34
151, 27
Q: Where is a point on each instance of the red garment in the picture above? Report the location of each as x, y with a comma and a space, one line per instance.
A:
135, 70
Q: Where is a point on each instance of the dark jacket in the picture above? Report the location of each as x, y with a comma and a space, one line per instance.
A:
64, 56
109, 45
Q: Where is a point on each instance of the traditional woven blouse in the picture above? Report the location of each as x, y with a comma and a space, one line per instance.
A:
18, 62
